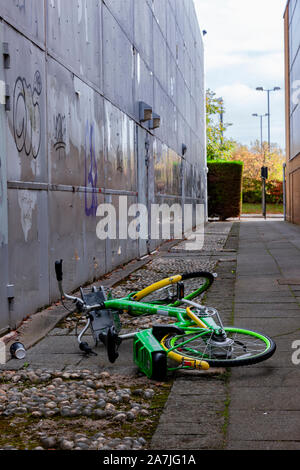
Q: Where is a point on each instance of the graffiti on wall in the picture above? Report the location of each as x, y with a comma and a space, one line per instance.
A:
60, 134
27, 115
91, 172
20, 4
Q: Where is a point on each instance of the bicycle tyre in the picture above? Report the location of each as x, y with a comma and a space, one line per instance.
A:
183, 355
157, 295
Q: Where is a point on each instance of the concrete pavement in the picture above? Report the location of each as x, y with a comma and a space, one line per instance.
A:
264, 411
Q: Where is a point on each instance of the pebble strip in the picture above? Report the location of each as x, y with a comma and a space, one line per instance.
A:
46, 394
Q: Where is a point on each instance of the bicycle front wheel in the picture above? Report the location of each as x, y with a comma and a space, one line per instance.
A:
239, 347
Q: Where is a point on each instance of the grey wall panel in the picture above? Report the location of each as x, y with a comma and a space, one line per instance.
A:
166, 221
160, 56
171, 28
180, 49
28, 249
74, 36
123, 250
26, 119
144, 83
160, 12
76, 130
174, 169
143, 146
27, 16
120, 164
143, 30
118, 64
295, 34
73, 239
171, 77
180, 86
295, 134
294, 44
123, 11
292, 5
161, 107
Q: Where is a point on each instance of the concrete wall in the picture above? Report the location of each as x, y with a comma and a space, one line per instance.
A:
75, 71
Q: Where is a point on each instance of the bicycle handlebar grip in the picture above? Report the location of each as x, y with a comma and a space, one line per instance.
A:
58, 270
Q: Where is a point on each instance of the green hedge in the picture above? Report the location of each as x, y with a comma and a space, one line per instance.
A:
224, 188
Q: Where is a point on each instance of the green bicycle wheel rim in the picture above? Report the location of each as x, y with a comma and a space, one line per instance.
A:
263, 338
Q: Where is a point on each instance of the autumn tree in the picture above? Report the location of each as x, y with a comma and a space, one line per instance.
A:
254, 158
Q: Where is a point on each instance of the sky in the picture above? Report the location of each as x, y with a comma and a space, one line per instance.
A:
244, 49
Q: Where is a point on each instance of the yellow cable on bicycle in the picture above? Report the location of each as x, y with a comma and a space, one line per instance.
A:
158, 285
185, 360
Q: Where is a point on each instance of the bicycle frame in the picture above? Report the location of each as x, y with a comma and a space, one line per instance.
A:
139, 309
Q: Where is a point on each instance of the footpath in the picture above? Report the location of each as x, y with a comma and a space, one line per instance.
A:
264, 404
255, 407
57, 398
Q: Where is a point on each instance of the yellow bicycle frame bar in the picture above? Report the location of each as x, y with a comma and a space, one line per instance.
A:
158, 285
195, 318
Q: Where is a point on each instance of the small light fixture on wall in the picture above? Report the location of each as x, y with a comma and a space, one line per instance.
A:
184, 149
145, 112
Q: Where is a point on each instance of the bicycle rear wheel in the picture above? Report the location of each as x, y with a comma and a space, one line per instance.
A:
240, 348
170, 291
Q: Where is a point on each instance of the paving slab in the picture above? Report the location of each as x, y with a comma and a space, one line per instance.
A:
248, 425
258, 399
263, 445
250, 377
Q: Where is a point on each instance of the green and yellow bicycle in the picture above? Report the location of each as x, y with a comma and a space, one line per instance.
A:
195, 338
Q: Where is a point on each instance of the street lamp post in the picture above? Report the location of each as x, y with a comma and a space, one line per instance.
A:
268, 91
264, 169
261, 116
264, 205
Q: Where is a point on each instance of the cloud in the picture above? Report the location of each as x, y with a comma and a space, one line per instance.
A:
244, 48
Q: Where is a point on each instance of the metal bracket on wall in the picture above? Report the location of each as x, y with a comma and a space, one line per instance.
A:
155, 122
7, 98
6, 55
145, 111
10, 291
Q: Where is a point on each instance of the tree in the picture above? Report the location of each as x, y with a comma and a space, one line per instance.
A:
218, 146
254, 158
